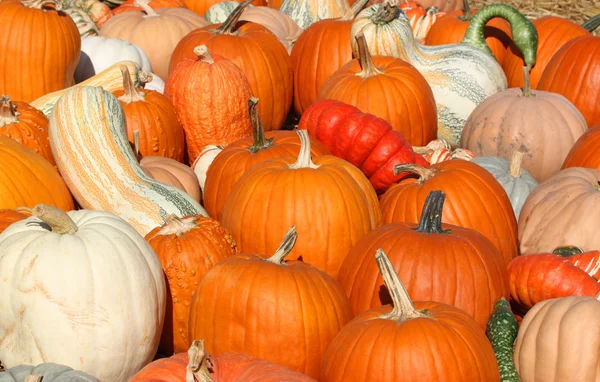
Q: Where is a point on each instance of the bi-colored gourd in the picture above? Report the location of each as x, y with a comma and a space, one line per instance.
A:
89, 142
307, 12
70, 269
45, 372
502, 331
88, 15
219, 12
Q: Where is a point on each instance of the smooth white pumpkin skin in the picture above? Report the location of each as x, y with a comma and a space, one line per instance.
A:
100, 53
94, 300
157, 84
517, 189
203, 162
89, 142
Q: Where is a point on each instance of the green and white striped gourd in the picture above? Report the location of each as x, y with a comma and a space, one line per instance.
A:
89, 142
219, 12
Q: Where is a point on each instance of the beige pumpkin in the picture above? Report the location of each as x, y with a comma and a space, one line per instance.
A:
542, 125
169, 171
156, 31
561, 212
282, 26
559, 341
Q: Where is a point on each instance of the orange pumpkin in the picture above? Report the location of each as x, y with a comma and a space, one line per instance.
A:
424, 341
210, 94
7, 217
26, 125
129, 5
154, 117
331, 202
586, 151
40, 48
370, 82
475, 200
257, 52
238, 157
187, 248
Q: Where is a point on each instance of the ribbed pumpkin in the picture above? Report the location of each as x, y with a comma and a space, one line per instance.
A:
210, 94
257, 52
280, 310
230, 164
7, 217
475, 200
40, 48
197, 365
370, 82
26, 125
187, 248
282, 26
156, 30
154, 117
586, 151
320, 51
27, 179
424, 341
307, 12
542, 124
444, 263
129, 5
573, 72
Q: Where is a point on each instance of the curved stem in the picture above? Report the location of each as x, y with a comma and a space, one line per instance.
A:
203, 54
353, 11
198, 362
431, 217
145, 5
144, 78
286, 246
8, 111
57, 219
524, 34
367, 66
176, 226
422, 172
527, 84
516, 161
258, 131
567, 251
403, 308
386, 12
304, 160
229, 25
592, 24
131, 93
467, 14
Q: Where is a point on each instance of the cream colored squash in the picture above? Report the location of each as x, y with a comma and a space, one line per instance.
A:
203, 162
81, 289
89, 142
307, 12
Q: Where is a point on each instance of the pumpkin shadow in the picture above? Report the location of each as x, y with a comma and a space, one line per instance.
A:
384, 296
40, 224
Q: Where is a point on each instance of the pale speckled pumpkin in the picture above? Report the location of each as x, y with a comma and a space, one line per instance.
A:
50, 372
307, 12
89, 143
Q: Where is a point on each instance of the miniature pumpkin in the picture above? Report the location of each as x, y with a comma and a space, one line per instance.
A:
585, 153
7, 217
47, 372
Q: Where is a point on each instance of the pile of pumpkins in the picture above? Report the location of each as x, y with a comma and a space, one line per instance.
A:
297, 190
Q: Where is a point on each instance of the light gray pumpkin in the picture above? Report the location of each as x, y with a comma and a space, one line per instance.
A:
516, 181
50, 372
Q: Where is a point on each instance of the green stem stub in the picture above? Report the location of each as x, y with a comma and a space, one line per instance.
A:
502, 329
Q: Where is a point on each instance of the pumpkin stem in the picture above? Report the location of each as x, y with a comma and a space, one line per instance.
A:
436, 144
527, 93
203, 54
8, 111
422, 172
258, 131
516, 161
353, 11
387, 12
592, 24
467, 14
136, 144
144, 78
58, 220
368, 68
304, 160
177, 226
431, 217
131, 93
285, 247
229, 25
43, 4
567, 251
145, 5
198, 364
33, 378
403, 308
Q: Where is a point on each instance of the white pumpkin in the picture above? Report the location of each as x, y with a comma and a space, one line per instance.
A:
203, 162
219, 12
99, 53
516, 181
81, 289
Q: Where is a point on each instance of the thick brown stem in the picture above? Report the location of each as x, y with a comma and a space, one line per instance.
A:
228, 27
516, 161
57, 219
258, 131
131, 94
203, 54
304, 160
33, 378
197, 368
527, 83
431, 216
145, 5
177, 226
467, 14
8, 111
367, 66
286, 246
436, 144
387, 12
403, 308
422, 172
354, 10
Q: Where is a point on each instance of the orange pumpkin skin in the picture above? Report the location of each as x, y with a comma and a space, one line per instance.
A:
7, 217
553, 33
585, 152
187, 248
210, 94
43, 46
129, 5
257, 52
573, 72
26, 125
475, 200
27, 179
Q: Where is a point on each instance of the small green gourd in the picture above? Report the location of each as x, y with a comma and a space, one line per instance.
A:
502, 331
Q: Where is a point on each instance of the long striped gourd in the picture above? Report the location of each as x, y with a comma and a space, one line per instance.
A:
110, 79
89, 142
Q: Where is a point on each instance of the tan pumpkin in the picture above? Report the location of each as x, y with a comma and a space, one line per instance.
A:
542, 125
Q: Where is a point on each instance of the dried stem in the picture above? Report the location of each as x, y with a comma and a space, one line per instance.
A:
203, 54
516, 161
286, 246
304, 160
57, 219
131, 94
8, 111
367, 66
